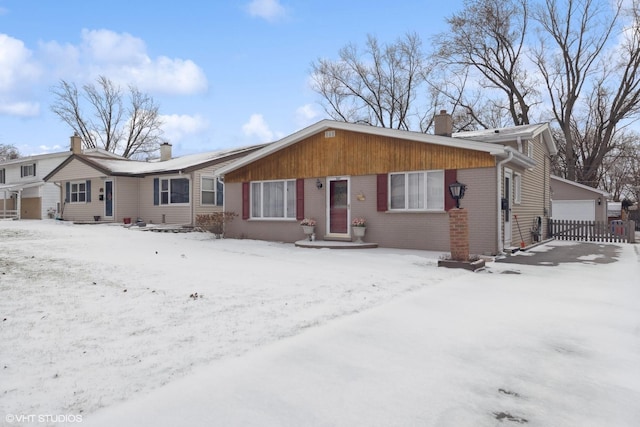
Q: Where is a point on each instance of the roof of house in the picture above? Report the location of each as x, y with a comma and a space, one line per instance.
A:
126, 167
493, 149
582, 186
21, 185
512, 133
36, 157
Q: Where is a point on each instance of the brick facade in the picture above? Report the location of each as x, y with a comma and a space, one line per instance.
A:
459, 234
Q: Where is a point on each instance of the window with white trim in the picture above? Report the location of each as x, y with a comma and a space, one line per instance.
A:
78, 192
416, 191
273, 199
28, 170
211, 189
517, 188
174, 191
2, 176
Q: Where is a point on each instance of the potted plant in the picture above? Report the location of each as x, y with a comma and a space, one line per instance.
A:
359, 226
308, 226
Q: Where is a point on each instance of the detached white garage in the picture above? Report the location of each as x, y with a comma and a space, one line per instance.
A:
578, 210
573, 201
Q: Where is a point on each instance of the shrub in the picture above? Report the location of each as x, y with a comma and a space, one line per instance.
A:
215, 222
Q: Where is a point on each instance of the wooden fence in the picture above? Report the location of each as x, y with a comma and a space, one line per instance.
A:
592, 231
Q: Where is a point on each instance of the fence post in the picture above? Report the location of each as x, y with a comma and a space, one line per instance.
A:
631, 231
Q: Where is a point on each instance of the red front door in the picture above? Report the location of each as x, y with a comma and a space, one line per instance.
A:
338, 206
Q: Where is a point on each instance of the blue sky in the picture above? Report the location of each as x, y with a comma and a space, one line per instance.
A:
225, 73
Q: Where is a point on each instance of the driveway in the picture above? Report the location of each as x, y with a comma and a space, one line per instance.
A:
558, 252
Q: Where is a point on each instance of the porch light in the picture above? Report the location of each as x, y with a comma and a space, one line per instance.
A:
456, 190
318, 184
599, 201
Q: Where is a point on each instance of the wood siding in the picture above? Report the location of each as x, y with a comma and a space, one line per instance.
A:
351, 153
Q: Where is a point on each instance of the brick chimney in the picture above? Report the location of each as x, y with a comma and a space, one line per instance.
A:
165, 151
443, 124
76, 144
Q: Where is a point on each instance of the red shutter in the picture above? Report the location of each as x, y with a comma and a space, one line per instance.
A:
383, 192
245, 200
450, 176
299, 199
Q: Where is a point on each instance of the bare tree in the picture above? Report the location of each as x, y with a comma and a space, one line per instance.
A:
8, 152
378, 86
134, 131
574, 35
487, 39
620, 175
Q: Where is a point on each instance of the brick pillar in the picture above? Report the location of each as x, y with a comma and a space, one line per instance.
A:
459, 234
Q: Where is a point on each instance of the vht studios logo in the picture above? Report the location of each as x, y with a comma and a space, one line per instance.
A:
43, 418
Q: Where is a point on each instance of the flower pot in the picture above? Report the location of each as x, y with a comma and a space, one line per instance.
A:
308, 230
358, 233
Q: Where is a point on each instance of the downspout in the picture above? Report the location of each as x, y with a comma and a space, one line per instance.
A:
499, 187
61, 201
19, 204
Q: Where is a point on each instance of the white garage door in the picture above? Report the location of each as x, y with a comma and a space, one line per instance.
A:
579, 210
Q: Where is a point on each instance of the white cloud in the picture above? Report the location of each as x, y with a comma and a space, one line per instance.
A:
20, 109
17, 66
256, 126
306, 115
177, 127
108, 47
124, 59
270, 10
19, 72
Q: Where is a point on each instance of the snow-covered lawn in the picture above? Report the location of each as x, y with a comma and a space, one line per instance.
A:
124, 327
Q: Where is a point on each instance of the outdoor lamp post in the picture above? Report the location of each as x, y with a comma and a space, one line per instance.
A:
456, 190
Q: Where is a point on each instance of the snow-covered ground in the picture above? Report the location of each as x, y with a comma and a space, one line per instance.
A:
111, 326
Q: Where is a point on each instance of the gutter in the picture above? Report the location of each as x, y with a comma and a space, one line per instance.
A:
499, 202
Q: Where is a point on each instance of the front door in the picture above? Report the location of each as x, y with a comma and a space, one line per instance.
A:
508, 179
338, 205
108, 199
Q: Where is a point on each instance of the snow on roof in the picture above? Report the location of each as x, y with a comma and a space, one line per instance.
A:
36, 157
135, 167
511, 133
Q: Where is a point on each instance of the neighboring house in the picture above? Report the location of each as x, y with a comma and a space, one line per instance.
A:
398, 180
573, 201
23, 193
171, 190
